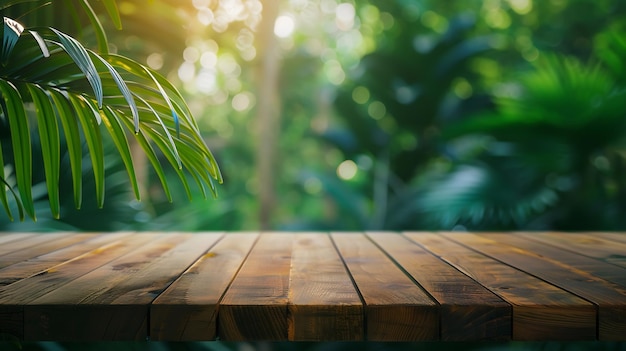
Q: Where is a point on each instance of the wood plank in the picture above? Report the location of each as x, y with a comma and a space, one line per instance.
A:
6, 238
585, 244
397, 309
42, 249
621, 236
35, 265
541, 311
560, 268
112, 301
13, 297
468, 310
582, 264
29, 242
323, 302
255, 305
187, 310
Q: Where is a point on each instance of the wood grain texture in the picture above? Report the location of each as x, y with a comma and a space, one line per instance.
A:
563, 269
15, 241
112, 301
396, 307
619, 237
15, 250
14, 297
187, 310
468, 310
255, 305
313, 286
323, 302
541, 311
6, 238
585, 244
34, 265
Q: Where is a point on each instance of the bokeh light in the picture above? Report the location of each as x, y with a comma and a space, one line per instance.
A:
284, 26
347, 170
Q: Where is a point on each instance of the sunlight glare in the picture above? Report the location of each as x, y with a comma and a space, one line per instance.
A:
344, 14
186, 71
155, 61
328, 6
208, 59
249, 53
284, 26
206, 82
205, 16
242, 101
228, 65
201, 4
191, 54
347, 170
334, 72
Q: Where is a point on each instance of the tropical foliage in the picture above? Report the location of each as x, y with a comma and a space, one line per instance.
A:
500, 114
76, 96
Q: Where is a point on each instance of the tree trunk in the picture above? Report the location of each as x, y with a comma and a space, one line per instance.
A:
268, 112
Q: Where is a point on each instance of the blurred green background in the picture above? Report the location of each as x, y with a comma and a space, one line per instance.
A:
353, 115
329, 114
376, 115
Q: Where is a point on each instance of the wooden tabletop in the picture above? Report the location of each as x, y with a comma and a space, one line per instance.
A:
313, 286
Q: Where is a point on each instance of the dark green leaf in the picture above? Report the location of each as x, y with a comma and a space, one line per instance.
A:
128, 96
20, 139
11, 34
93, 137
147, 148
4, 185
79, 54
111, 6
50, 144
103, 44
119, 138
72, 138
41, 42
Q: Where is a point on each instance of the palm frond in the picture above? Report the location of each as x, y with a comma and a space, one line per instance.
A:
483, 195
70, 14
10, 34
561, 99
15, 112
94, 96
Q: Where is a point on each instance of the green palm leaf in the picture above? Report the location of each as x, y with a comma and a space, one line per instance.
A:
11, 33
50, 144
111, 7
80, 56
121, 143
93, 97
103, 44
20, 139
72, 139
4, 185
93, 137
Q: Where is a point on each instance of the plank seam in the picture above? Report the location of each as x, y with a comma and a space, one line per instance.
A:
460, 271
595, 305
230, 283
356, 287
530, 237
403, 270
149, 309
